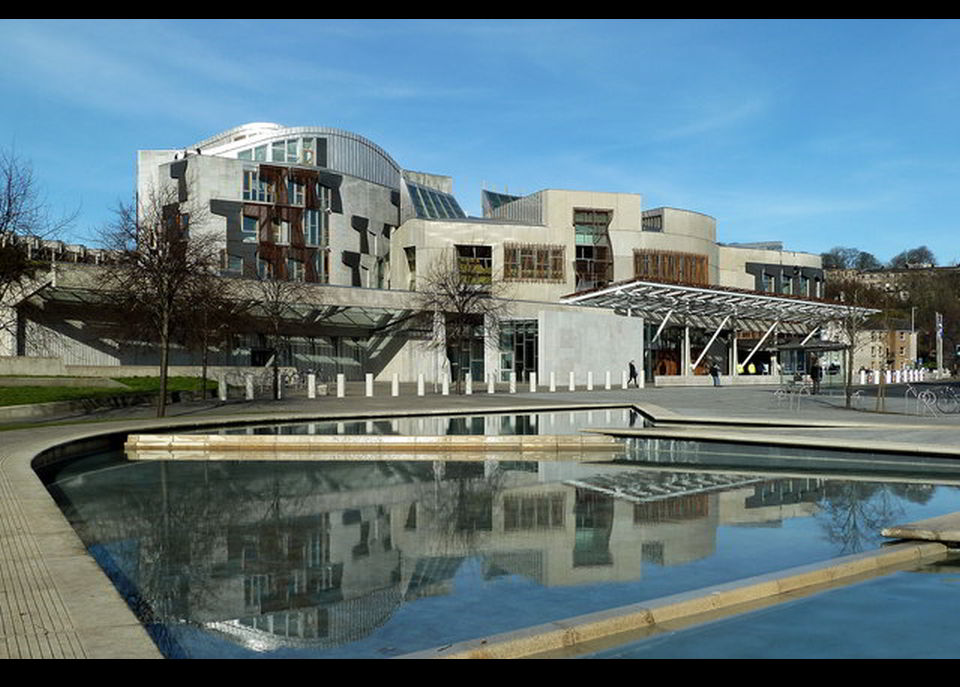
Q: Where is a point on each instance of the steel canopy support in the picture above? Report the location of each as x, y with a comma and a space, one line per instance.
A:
810, 335
710, 343
760, 343
662, 325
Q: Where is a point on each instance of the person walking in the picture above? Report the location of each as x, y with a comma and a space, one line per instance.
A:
715, 373
816, 374
633, 375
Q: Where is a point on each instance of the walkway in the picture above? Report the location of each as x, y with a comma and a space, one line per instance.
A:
55, 601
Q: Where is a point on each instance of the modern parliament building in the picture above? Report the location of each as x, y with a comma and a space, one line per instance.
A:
593, 279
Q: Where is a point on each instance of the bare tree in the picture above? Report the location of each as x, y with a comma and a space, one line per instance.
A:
275, 303
159, 261
920, 256
212, 308
24, 217
861, 301
466, 294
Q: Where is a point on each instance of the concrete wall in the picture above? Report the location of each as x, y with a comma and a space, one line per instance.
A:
432, 239
684, 231
733, 263
585, 340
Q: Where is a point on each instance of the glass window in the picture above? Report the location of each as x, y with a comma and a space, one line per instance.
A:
255, 188
294, 270
294, 192
321, 265
475, 264
235, 264
313, 228
308, 151
293, 146
280, 231
264, 268
411, 253
245, 154
279, 151
249, 225
260, 153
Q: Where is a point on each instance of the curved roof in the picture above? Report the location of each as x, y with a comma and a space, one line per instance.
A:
347, 152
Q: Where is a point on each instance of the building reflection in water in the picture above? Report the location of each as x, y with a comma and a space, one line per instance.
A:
318, 555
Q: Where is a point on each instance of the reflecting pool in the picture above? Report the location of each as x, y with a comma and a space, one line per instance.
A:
368, 559
906, 614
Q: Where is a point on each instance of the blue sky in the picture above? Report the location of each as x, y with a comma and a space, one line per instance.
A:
814, 133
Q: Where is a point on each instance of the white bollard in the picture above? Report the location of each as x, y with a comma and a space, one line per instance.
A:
341, 385
221, 388
606, 381
311, 385
623, 379
368, 378
572, 385
590, 381
445, 385
886, 376
863, 377
279, 387
395, 385
491, 384
513, 382
468, 384
896, 376
533, 382
553, 381
248, 383
420, 385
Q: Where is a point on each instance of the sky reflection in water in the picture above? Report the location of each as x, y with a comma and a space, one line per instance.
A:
377, 559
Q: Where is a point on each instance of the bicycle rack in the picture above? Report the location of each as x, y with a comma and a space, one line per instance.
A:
929, 401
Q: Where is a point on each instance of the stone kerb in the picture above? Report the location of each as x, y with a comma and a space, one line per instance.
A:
685, 608
380, 447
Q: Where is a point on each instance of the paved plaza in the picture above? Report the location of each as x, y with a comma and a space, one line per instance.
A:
56, 602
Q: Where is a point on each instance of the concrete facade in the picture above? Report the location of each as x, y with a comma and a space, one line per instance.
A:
329, 207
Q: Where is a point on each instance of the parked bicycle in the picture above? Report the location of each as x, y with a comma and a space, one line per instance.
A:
948, 399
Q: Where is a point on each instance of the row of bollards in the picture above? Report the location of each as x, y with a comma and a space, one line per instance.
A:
314, 389
891, 376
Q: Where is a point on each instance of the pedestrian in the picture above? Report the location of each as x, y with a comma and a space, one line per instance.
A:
715, 373
816, 374
633, 375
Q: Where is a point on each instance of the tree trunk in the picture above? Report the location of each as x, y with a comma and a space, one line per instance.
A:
203, 370
164, 364
848, 376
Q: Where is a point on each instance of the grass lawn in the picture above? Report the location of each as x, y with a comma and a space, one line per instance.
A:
22, 395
